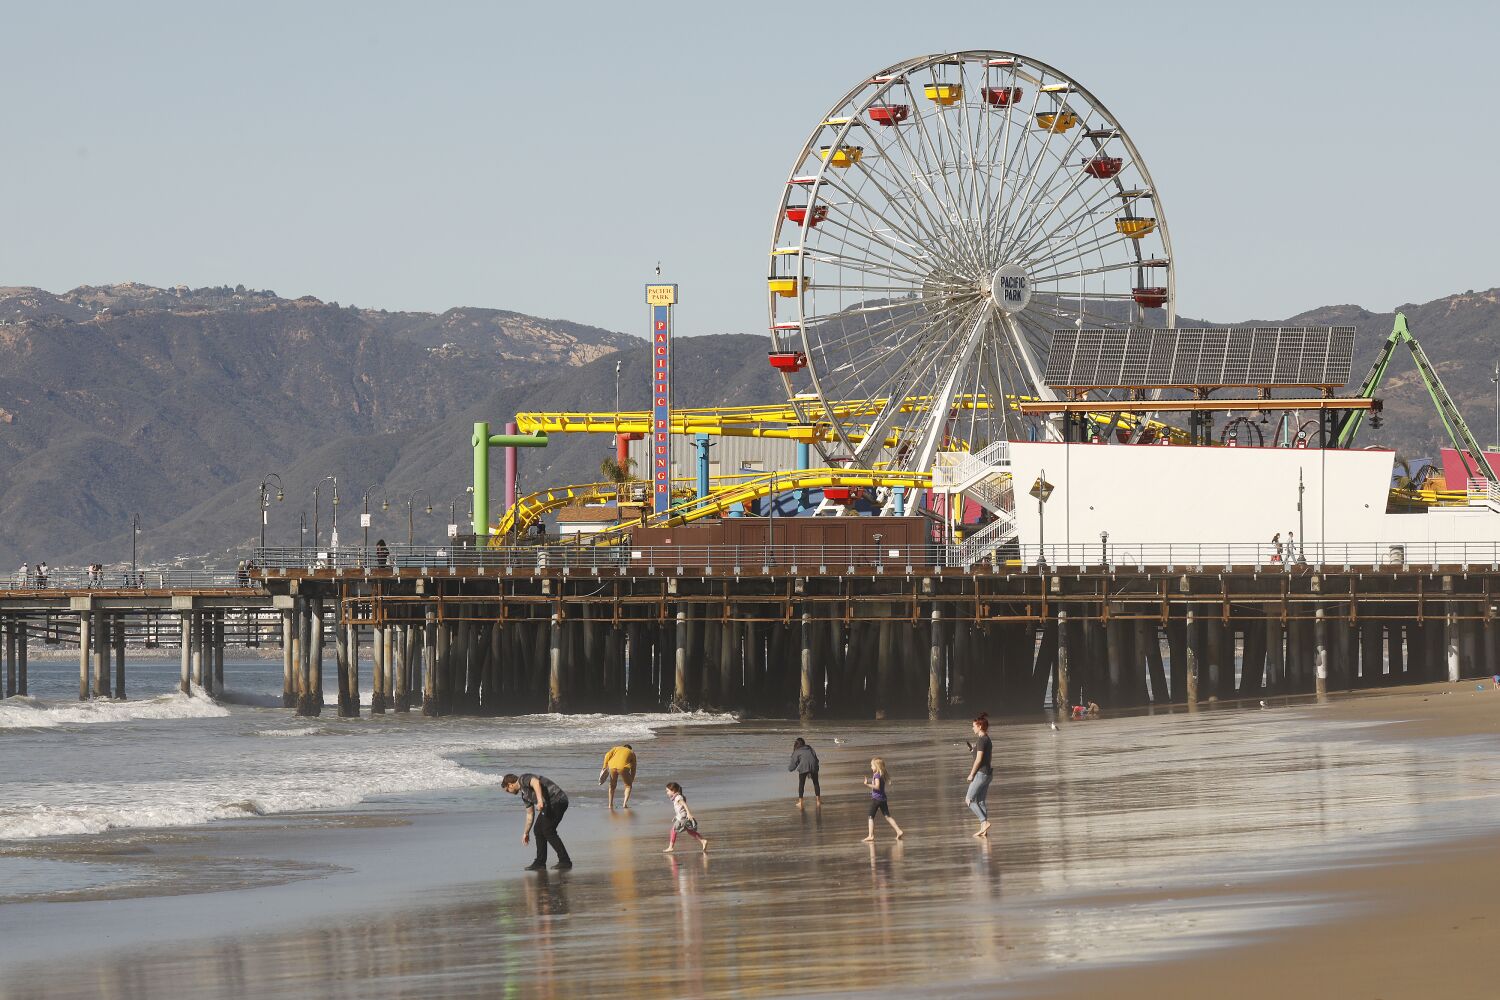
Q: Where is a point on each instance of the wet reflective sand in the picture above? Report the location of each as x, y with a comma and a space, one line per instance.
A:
1125, 852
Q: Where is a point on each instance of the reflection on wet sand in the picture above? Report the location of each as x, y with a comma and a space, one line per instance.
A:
1112, 841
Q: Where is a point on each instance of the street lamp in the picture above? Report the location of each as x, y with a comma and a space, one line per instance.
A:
316, 490
265, 502
1104, 549
364, 519
1042, 490
411, 521
135, 533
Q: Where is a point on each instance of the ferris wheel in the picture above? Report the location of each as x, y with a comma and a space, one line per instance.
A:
941, 221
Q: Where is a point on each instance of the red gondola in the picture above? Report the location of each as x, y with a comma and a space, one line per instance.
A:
1103, 167
789, 362
1002, 97
1151, 298
890, 114
798, 213
838, 494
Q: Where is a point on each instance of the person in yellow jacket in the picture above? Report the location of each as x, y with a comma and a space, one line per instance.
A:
619, 765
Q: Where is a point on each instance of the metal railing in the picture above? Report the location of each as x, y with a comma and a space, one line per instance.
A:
1262, 556
441, 560
1484, 493
126, 580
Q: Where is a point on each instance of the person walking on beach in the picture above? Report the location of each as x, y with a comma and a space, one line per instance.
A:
980, 773
619, 765
682, 820
879, 783
545, 806
805, 763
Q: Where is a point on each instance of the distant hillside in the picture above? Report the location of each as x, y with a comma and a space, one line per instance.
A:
175, 402
131, 399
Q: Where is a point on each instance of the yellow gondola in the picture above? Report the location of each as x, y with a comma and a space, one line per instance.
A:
1135, 228
945, 94
843, 156
787, 287
1055, 121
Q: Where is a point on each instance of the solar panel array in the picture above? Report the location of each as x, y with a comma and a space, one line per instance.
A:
1233, 356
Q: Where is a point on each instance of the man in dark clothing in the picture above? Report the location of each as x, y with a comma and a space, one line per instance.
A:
805, 763
545, 805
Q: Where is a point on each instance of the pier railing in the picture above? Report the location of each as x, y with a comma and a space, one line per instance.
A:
1262, 556
683, 559
123, 580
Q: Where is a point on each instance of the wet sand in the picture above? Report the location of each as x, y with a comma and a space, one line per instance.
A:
1302, 850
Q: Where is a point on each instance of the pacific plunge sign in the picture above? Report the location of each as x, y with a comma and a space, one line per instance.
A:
661, 298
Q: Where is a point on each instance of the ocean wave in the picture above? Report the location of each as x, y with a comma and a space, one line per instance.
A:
240, 781
22, 712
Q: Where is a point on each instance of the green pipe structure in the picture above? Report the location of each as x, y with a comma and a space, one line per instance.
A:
483, 441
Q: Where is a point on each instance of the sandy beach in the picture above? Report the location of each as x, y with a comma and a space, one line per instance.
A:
1300, 850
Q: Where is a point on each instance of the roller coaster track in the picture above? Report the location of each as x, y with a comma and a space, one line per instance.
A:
720, 501
532, 507
784, 421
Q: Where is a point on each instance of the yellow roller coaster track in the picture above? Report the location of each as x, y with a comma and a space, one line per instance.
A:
530, 508
720, 501
782, 420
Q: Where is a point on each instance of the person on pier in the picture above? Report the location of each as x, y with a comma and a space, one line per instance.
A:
545, 805
619, 765
980, 773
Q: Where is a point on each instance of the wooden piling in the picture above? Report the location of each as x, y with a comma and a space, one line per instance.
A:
341, 659
1194, 638
557, 700
85, 673
884, 667
354, 694
401, 644
434, 639
185, 623
1062, 693
10, 658
218, 646
102, 642
377, 669
288, 661
1150, 638
805, 662
935, 671
23, 651
119, 637
1450, 630
680, 648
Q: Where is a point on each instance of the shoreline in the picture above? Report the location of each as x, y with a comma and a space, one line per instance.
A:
1155, 876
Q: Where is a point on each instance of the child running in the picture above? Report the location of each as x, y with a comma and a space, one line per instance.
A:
683, 821
878, 782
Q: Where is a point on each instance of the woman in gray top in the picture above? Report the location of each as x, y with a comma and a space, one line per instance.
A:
805, 763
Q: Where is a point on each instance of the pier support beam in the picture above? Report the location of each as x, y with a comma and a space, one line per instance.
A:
185, 623
119, 637
557, 695
681, 648
85, 673
288, 659
304, 667
10, 658
341, 660
439, 649
1450, 630
1194, 654
218, 646
377, 669
805, 695
1062, 694
22, 638
402, 645
935, 664
102, 643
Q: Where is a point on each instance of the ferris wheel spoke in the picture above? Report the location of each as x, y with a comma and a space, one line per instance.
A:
1030, 204
950, 207
1109, 240
1095, 205
869, 356
952, 377
936, 224
912, 254
1109, 189
1026, 141
1124, 265
915, 231
867, 265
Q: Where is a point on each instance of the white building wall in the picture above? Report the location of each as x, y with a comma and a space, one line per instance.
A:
1152, 494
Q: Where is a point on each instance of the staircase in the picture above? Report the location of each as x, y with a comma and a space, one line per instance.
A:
983, 476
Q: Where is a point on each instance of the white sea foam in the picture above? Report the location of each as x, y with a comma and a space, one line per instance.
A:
230, 774
34, 713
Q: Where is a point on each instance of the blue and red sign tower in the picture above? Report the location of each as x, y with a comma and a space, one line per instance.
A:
661, 299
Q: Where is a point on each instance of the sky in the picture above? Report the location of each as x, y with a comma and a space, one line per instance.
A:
544, 157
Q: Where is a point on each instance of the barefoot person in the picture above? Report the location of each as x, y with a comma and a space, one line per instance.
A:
619, 765
878, 783
682, 819
980, 773
805, 763
545, 806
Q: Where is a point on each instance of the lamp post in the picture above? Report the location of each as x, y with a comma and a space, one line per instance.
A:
1495, 378
316, 490
1042, 490
1104, 549
265, 502
411, 520
135, 533
364, 520
1301, 523
302, 529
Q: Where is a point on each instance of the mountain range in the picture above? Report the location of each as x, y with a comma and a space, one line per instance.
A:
174, 404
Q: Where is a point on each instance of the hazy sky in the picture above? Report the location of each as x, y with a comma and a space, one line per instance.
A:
543, 156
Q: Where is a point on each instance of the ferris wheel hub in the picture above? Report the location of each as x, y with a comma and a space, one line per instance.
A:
1011, 288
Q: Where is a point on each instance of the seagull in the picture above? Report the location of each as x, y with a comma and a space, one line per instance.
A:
839, 742
1262, 703
1054, 726
658, 269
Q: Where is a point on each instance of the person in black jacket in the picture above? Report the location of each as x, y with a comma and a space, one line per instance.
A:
805, 763
545, 805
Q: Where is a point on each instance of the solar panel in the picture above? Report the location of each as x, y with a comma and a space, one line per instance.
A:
1195, 357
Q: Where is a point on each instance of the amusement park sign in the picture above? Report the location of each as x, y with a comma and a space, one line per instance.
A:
661, 298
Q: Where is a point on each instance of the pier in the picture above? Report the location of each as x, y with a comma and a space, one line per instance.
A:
877, 630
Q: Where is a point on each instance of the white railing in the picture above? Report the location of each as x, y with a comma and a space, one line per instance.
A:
1484, 493
982, 475
984, 542
1262, 556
